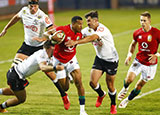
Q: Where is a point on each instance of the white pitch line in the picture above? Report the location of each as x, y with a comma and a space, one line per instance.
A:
147, 93
4, 61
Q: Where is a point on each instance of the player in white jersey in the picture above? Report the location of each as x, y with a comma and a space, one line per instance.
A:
16, 76
106, 57
35, 21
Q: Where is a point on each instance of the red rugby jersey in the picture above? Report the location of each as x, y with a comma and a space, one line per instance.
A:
62, 53
147, 44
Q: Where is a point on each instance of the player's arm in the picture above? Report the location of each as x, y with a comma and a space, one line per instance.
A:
46, 35
15, 19
82, 41
47, 68
130, 52
153, 57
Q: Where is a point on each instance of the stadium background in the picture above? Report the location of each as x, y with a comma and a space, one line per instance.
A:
121, 17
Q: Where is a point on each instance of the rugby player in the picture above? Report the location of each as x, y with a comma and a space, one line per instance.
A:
16, 77
106, 59
148, 39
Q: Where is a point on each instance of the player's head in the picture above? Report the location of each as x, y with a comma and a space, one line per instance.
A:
49, 47
33, 6
92, 19
145, 19
77, 23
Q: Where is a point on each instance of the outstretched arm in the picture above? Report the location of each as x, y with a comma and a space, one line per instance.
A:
81, 41
15, 19
130, 52
47, 68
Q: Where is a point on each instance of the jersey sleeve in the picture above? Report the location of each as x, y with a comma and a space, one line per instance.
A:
134, 36
47, 21
158, 34
41, 57
101, 32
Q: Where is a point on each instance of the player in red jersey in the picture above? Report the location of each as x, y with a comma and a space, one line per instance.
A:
67, 57
148, 39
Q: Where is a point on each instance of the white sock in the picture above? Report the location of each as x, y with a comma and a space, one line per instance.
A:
82, 107
1, 91
4, 105
97, 86
112, 93
54, 81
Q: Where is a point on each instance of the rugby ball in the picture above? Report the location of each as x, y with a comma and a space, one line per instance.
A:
57, 37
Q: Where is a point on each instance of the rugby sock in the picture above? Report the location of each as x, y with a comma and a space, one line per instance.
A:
99, 90
112, 96
126, 84
62, 92
1, 91
82, 103
133, 94
3, 105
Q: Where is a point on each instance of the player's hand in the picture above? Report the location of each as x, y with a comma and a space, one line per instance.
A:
128, 59
59, 67
3, 33
39, 39
152, 58
70, 43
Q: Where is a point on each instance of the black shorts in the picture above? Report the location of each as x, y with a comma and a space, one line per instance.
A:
13, 80
106, 66
28, 50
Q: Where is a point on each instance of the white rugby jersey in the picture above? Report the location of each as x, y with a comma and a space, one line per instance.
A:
31, 64
107, 51
34, 25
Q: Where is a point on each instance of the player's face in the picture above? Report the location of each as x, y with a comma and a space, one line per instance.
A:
78, 26
91, 22
145, 22
33, 8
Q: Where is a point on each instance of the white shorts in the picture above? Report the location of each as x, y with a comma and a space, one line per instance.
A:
147, 72
69, 67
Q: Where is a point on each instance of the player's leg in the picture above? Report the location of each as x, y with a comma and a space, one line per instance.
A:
133, 71
133, 93
64, 95
128, 80
148, 73
6, 91
111, 92
20, 98
95, 76
77, 77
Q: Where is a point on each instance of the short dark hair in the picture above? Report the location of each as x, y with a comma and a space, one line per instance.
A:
33, 1
146, 14
92, 14
75, 18
48, 44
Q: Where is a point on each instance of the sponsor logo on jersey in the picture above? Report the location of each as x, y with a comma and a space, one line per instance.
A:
39, 17
149, 38
24, 11
47, 20
140, 37
100, 29
32, 27
89, 30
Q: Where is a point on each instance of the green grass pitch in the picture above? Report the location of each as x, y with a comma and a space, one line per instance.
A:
42, 96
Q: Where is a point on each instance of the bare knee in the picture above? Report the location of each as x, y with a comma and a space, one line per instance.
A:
21, 100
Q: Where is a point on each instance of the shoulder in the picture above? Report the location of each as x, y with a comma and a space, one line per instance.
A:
137, 32
24, 9
86, 31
